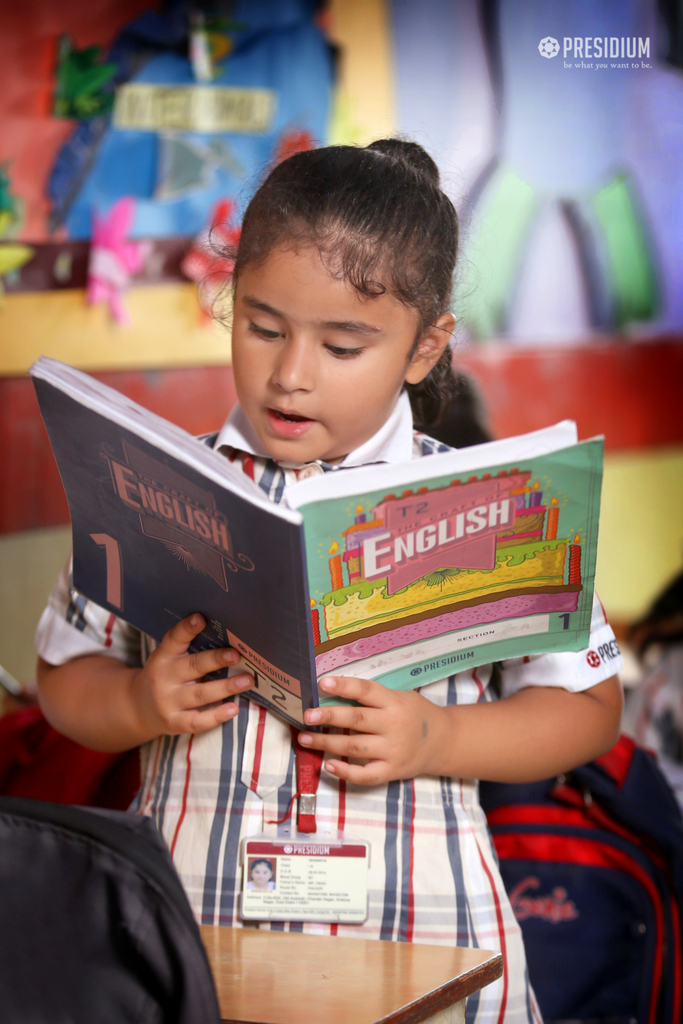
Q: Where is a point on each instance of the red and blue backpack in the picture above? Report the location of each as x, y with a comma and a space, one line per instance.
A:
593, 865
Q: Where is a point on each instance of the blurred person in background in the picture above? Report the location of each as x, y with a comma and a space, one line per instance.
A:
464, 423
653, 714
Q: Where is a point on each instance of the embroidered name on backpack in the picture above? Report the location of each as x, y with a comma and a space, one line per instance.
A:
554, 908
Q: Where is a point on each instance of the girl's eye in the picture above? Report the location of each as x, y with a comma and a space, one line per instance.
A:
263, 332
343, 353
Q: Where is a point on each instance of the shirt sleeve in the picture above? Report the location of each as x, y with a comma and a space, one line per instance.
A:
72, 626
569, 670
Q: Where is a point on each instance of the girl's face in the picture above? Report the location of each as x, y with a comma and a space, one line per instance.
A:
261, 875
319, 367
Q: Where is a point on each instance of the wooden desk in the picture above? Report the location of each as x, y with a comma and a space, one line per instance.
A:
265, 977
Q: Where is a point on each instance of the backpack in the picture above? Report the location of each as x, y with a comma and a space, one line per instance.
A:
38, 762
593, 864
95, 927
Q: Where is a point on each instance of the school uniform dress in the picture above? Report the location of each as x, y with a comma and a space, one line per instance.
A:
433, 875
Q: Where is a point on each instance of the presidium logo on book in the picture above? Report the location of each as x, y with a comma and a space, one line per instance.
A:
176, 512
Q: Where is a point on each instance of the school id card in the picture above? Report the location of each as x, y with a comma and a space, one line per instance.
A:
297, 880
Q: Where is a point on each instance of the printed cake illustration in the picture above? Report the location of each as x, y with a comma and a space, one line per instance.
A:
423, 564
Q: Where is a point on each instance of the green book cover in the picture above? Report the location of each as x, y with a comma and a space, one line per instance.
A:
413, 583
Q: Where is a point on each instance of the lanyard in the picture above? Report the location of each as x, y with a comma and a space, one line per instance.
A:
308, 765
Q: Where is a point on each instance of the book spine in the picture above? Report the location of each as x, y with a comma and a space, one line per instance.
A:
309, 686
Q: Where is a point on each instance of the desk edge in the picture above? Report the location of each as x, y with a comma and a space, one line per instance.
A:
447, 995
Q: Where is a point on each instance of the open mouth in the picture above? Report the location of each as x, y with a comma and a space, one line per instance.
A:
288, 424
289, 417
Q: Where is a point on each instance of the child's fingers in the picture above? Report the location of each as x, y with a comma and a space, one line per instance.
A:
185, 668
198, 695
201, 663
208, 718
365, 691
359, 745
359, 718
371, 774
180, 636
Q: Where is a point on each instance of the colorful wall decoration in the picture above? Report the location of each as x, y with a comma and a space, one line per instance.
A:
178, 138
173, 109
172, 112
562, 166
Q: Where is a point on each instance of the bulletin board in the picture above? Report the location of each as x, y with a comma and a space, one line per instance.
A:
130, 130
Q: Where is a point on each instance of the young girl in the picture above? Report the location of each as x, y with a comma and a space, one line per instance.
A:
341, 321
261, 875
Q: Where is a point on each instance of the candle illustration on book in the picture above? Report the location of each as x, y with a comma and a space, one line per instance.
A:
335, 566
575, 560
536, 496
553, 516
315, 622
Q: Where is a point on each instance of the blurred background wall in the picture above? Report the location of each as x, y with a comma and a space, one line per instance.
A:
558, 130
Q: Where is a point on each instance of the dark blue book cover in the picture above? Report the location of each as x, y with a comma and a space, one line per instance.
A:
158, 536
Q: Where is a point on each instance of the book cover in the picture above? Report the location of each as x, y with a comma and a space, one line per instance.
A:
400, 573
155, 540
460, 569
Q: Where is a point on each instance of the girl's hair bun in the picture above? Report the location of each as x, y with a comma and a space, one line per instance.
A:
411, 154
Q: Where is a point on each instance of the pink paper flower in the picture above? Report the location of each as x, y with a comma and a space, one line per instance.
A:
113, 260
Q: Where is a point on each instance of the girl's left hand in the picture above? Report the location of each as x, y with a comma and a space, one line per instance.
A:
393, 731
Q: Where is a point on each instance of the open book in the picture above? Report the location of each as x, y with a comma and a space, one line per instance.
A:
400, 573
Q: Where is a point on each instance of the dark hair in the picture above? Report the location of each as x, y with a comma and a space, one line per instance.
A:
465, 423
663, 621
262, 860
379, 220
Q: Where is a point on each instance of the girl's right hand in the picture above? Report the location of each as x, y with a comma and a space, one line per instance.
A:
169, 693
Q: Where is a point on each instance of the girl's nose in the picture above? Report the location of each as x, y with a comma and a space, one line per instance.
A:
293, 369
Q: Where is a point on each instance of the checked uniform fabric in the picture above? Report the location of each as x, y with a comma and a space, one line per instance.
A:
433, 877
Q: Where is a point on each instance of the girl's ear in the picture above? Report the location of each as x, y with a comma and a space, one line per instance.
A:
429, 348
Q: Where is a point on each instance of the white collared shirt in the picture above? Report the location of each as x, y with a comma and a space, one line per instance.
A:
393, 442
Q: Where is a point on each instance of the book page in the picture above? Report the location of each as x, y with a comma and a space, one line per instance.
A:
478, 456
